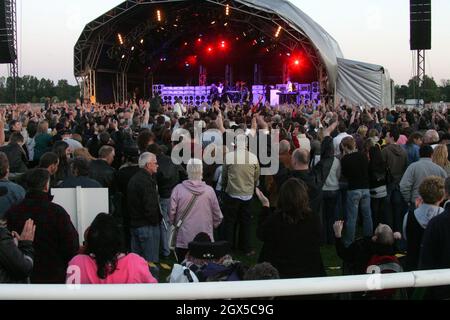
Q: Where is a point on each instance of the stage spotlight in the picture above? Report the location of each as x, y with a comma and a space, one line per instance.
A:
227, 10
213, 22
185, 43
277, 34
187, 65
288, 54
209, 49
223, 44
123, 56
132, 48
225, 24
120, 38
297, 62
199, 40
142, 41
158, 15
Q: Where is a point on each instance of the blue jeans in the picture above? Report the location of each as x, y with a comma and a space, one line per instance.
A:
145, 242
356, 199
165, 203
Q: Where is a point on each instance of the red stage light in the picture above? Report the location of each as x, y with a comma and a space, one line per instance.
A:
209, 50
199, 40
191, 60
297, 62
223, 44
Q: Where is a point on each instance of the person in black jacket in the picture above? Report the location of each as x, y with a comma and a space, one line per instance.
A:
291, 235
62, 149
123, 177
355, 167
16, 254
15, 153
378, 188
56, 240
144, 209
168, 177
101, 170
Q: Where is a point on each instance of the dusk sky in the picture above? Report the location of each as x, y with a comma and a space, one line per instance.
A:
374, 31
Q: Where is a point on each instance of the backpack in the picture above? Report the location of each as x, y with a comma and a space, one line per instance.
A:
379, 265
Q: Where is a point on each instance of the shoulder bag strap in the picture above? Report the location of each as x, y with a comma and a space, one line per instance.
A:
186, 211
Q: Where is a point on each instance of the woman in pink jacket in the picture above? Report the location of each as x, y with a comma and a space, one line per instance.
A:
204, 215
103, 261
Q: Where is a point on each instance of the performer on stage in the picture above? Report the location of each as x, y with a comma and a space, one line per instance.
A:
214, 92
289, 86
220, 89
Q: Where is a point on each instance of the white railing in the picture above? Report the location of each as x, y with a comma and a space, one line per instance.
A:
226, 290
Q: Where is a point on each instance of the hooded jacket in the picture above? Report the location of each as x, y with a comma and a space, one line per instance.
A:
204, 216
396, 161
414, 226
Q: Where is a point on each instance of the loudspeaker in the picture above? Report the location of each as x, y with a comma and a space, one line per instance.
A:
7, 49
158, 89
304, 87
420, 20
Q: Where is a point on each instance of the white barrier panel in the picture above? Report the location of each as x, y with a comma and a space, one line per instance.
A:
226, 290
83, 205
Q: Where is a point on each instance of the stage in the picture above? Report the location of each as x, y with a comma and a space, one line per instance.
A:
188, 44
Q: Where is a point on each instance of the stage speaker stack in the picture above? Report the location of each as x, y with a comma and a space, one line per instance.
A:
7, 51
315, 91
420, 19
189, 95
257, 92
157, 89
201, 94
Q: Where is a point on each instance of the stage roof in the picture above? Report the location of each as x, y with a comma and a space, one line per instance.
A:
264, 15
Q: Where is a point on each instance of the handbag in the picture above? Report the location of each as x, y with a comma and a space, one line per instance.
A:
173, 233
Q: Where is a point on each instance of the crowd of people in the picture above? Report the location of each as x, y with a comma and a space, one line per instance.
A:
338, 165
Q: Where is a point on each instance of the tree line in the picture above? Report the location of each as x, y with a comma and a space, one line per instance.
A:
31, 89
429, 90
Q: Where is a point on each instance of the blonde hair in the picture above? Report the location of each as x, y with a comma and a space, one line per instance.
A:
83, 153
362, 131
440, 156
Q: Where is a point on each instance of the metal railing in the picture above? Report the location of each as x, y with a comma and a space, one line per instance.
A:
226, 290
